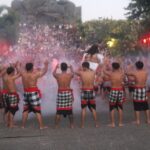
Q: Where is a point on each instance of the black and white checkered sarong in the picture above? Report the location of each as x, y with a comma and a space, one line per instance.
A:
116, 96
13, 99
4, 97
32, 102
88, 98
139, 94
12, 103
64, 101
140, 99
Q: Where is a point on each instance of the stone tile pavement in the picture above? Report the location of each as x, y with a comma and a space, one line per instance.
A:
129, 137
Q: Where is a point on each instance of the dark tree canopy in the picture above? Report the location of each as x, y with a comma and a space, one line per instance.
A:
139, 9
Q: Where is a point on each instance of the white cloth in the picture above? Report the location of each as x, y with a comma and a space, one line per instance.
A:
93, 65
100, 58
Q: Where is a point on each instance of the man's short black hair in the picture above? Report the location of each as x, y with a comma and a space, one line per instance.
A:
139, 65
86, 65
10, 70
115, 65
63, 66
29, 66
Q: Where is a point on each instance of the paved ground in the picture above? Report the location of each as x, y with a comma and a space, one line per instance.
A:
129, 137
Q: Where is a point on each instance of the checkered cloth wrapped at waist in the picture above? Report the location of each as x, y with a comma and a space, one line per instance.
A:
88, 98
139, 94
64, 99
4, 93
116, 96
87, 94
32, 99
13, 99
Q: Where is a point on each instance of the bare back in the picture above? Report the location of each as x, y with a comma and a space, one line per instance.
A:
117, 78
140, 78
10, 83
30, 79
87, 78
64, 80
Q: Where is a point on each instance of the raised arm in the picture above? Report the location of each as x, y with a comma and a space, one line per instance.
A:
44, 70
16, 76
106, 72
2, 71
78, 72
55, 71
71, 69
19, 67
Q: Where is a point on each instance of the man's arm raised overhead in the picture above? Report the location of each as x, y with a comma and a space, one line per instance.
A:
55, 71
44, 70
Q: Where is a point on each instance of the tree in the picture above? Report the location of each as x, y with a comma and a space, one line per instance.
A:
138, 9
125, 33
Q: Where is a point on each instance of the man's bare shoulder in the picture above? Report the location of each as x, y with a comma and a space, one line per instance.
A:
65, 74
122, 72
144, 72
92, 72
36, 72
23, 73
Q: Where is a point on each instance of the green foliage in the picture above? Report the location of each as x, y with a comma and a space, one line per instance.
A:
125, 32
140, 10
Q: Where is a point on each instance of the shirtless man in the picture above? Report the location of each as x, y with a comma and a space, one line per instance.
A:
139, 94
130, 81
65, 94
12, 98
116, 97
32, 95
1, 100
87, 92
106, 86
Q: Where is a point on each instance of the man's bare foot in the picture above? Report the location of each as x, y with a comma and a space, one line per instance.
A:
7, 125
56, 126
136, 122
72, 126
112, 125
96, 126
43, 127
121, 124
22, 127
82, 126
148, 121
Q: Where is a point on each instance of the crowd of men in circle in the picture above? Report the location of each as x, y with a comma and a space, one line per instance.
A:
90, 78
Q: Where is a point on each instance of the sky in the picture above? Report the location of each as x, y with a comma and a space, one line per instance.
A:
95, 9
